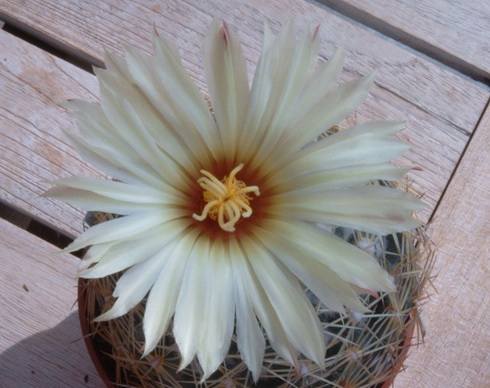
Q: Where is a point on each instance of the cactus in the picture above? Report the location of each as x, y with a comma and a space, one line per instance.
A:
362, 351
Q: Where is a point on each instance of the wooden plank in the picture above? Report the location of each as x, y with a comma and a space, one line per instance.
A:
89, 26
457, 347
33, 150
41, 341
423, 124
455, 32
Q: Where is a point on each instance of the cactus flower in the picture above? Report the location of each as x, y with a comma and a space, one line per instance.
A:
223, 201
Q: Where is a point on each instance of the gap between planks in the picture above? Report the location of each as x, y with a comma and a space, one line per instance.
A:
51, 45
35, 227
456, 352
482, 122
413, 31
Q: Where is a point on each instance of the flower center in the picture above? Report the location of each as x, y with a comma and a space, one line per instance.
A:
227, 200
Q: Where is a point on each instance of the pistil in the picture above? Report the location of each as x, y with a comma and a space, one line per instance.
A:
227, 200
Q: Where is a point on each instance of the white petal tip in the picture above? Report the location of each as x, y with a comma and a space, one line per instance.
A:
358, 316
147, 350
114, 312
68, 249
103, 317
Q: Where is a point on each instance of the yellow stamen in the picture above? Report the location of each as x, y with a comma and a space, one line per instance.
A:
227, 200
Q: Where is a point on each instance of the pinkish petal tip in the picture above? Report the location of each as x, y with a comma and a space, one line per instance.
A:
315, 32
225, 32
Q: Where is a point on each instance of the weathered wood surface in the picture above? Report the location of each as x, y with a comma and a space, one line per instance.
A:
457, 347
90, 26
33, 149
458, 32
41, 343
441, 108
437, 133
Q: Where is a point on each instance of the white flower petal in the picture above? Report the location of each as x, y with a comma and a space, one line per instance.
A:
339, 178
219, 305
328, 111
136, 249
128, 141
187, 101
368, 143
250, 339
134, 126
374, 209
190, 311
137, 115
117, 165
162, 299
319, 82
261, 305
300, 66
142, 127
88, 200
134, 284
349, 262
283, 68
264, 93
166, 85
93, 255
112, 197
120, 191
294, 310
322, 280
96, 129
123, 227
226, 76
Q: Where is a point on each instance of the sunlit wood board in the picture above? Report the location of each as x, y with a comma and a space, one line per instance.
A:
457, 348
442, 111
456, 32
41, 343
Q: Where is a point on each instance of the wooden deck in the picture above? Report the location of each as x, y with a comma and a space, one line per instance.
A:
437, 85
